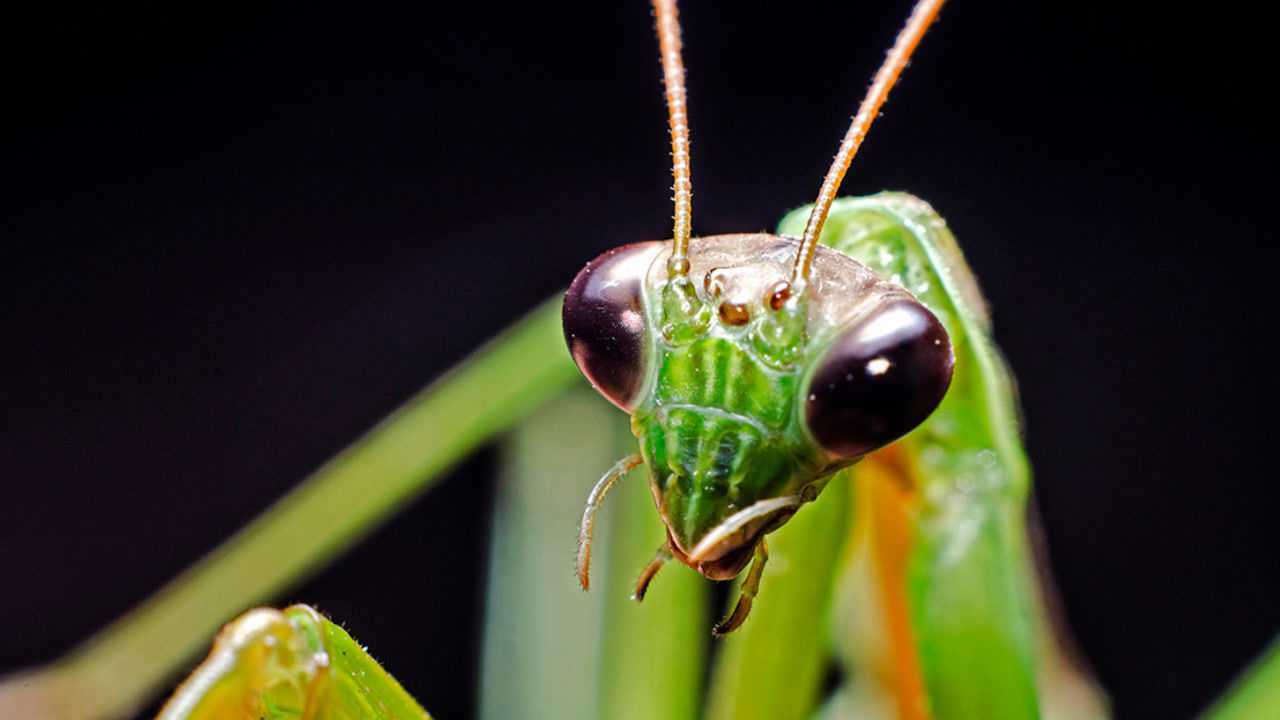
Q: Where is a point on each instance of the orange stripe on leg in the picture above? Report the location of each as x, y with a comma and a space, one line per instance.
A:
886, 491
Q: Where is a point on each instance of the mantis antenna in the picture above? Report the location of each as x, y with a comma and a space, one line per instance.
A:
921, 17
668, 26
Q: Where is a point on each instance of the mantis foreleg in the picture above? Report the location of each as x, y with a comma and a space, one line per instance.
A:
747, 593
660, 558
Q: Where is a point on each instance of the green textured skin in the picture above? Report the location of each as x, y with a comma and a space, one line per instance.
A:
280, 665
720, 432
972, 603
359, 687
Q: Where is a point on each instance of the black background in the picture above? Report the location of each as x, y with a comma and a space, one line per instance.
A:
236, 234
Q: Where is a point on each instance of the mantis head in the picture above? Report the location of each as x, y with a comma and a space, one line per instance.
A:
753, 366
746, 399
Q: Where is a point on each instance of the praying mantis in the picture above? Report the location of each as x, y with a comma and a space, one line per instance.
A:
912, 645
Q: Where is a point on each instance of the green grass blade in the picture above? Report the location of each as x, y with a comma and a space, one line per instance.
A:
541, 644
1256, 694
118, 669
654, 651
773, 666
551, 650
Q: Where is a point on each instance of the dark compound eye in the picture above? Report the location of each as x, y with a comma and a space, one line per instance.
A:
880, 379
604, 321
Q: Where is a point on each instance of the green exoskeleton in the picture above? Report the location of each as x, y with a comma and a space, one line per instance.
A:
280, 665
755, 367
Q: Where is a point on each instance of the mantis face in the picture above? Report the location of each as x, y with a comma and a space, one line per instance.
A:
746, 398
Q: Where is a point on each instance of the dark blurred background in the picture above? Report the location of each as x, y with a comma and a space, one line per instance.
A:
234, 235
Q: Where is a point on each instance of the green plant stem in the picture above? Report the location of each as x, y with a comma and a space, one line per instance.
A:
117, 670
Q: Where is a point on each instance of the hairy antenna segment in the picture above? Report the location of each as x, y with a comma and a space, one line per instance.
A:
899, 55
668, 27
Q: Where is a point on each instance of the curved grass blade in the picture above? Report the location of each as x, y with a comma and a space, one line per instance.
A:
114, 672
289, 665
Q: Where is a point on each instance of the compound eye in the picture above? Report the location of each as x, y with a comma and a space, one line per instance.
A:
879, 380
604, 322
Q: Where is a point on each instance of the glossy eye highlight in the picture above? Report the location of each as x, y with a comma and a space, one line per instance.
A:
879, 380
604, 321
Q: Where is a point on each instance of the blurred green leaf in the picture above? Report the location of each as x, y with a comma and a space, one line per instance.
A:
551, 650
